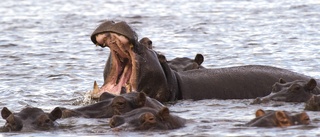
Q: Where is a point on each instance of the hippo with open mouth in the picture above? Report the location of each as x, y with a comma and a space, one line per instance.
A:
134, 67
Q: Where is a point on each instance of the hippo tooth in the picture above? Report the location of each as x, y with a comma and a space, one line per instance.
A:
128, 87
95, 88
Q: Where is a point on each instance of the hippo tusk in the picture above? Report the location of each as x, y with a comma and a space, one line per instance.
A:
95, 91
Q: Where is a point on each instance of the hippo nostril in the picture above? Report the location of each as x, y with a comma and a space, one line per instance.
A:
152, 120
148, 117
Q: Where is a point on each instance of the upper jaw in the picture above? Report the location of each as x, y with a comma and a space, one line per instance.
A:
121, 75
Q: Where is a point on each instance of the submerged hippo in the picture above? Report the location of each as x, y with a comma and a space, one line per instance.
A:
115, 105
178, 64
134, 67
147, 119
295, 91
184, 63
272, 118
29, 119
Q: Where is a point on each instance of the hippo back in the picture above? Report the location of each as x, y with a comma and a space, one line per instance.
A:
232, 83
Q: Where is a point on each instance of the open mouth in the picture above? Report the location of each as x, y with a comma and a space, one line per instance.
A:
120, 76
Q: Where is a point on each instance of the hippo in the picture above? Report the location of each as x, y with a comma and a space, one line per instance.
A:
184, 63
179, 63
132, 67
114, 105
148, 119
295, 91
272, 118
30, 118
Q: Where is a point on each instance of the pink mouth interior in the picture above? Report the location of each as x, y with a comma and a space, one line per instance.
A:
120, 78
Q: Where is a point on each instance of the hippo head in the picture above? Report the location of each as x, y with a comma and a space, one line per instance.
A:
271, 118
113, 105
147, 119
130, 101
295, 91
123, 104
30, 118
131, 66
120, 38
184, 64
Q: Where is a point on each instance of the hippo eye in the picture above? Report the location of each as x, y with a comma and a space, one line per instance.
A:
297, 88
307, 119
47, 121
120, 103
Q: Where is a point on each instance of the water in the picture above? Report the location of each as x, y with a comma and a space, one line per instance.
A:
48, 60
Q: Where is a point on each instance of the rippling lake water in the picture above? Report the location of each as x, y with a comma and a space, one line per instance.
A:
48, 60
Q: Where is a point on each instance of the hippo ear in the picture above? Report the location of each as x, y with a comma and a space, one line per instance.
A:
260, 112
199, 59
164, 113
162, 58
282, 119
141, 99
282, 81
311, 84
5, 113
56, 113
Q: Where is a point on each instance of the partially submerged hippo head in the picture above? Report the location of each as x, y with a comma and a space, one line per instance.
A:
184, 64
148, 119
115, 105
295, 91
178, 64
272, 118
30, 119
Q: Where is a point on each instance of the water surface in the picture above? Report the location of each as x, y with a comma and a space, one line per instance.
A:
48, 60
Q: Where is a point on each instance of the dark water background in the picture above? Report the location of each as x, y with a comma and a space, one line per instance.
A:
48, 60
